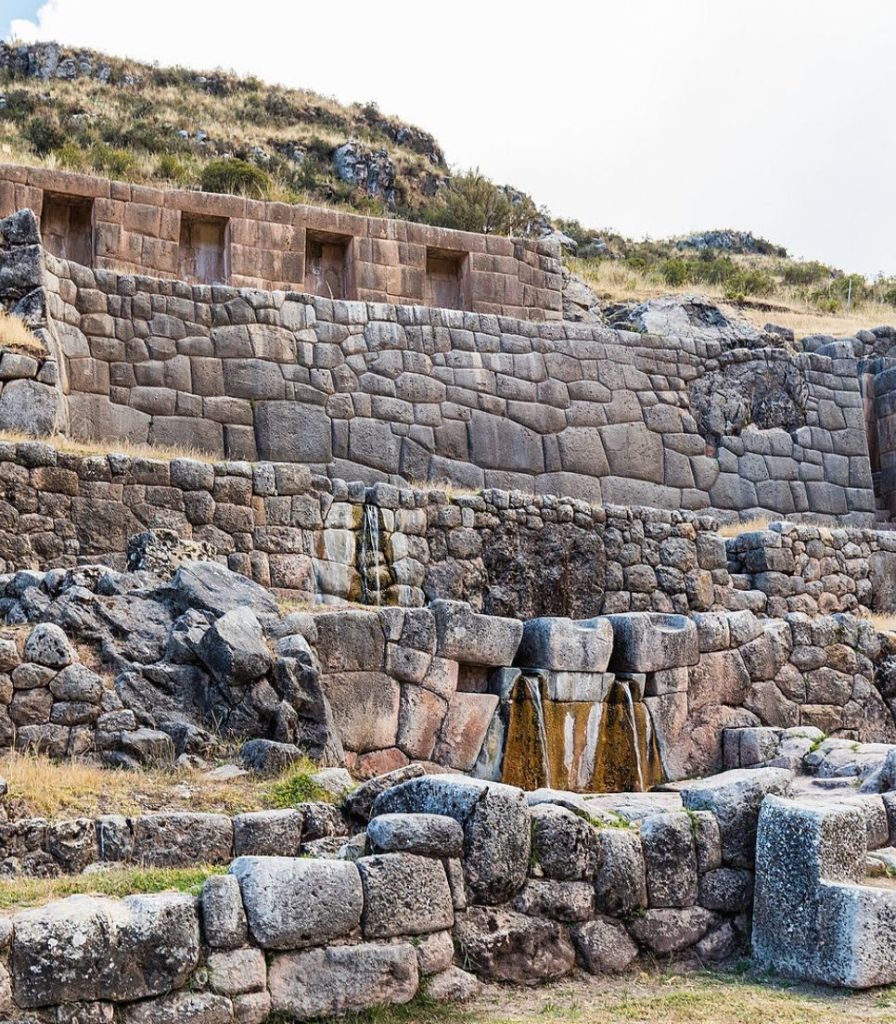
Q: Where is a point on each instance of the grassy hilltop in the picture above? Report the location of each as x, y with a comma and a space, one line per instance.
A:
84, 111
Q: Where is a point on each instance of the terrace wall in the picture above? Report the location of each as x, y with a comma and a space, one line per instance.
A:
141, 230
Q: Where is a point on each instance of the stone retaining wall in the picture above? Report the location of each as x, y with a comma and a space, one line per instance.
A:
448, 882
157, 674
507, 553
376, 392
140, 230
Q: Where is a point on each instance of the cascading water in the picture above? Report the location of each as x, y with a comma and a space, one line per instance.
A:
370, 555
589, 746
532, 685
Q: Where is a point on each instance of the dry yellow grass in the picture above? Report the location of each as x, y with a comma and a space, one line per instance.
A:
15, 334
669, 997
19, 892
44, 788
747, 526
614, 281
77, 446
883, 622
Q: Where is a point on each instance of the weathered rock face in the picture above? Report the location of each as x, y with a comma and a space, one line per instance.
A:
292, 903
688, 317
507, 946
404, 894
769, 392
604, 946
95, 948
341, 979
735, 798
495, 821
812, 918
161, 552
564, 846
565, 645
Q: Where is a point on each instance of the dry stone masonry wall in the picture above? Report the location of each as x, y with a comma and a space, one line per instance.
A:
378, 392
226, 239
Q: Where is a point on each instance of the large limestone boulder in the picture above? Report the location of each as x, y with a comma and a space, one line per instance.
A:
495, 820
652, 641
88, 948
464, 636
566, 645
292, 902
342, 979
735, 798
404, 894
503, 945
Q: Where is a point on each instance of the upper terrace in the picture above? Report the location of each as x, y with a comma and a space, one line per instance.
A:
207, 238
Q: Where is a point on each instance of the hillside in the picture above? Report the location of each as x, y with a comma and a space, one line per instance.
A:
84, 111
216, 131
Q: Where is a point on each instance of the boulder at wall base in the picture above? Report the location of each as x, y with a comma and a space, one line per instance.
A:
342, 979
735, 798
566, 645
177, 1008
88, 948
652, 641
495, 820
670, 930
604, 946
292, 902
503, 945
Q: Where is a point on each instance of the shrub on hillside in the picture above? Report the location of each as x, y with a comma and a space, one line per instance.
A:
237, 177
675, 272
44, 134
472, 202
116, 163
805, 273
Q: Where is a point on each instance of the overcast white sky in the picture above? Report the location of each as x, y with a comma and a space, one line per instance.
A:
653, 117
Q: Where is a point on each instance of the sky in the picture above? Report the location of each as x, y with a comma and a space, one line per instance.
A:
650, 117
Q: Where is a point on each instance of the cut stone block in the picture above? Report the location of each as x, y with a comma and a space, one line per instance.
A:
566, 645
652, 641
812, 919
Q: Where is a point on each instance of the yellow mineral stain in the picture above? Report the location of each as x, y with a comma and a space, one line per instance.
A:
548, 743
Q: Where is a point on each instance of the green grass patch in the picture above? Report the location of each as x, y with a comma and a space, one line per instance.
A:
298, 787
28, 892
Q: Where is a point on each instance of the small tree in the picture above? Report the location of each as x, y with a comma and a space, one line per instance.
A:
472, 202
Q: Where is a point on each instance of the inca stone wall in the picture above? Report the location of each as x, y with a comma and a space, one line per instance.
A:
140, 230
387, 392
507, 553
369, 391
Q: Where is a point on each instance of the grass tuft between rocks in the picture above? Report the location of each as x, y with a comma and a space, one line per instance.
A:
24, 891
